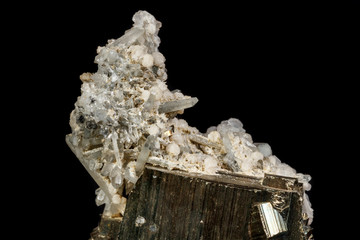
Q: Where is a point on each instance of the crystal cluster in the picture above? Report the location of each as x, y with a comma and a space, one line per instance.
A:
126, 118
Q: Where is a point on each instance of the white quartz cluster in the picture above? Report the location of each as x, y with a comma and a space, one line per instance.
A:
126, 117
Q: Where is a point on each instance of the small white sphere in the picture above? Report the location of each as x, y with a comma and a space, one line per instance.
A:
210, 165
116, 199
153, 129
159, 59
147, 60
137, 52
214, 136
173, 149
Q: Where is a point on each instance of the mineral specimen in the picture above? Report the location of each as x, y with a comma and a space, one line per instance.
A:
125, 118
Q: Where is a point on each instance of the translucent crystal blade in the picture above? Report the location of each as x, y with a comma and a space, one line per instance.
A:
144, 154
130, 36
177, 105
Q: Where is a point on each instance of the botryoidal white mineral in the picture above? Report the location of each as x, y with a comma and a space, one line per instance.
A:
126, 117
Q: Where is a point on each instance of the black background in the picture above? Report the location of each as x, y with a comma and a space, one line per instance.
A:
283, 69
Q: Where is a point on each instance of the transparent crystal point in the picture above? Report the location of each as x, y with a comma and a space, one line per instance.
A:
177, 105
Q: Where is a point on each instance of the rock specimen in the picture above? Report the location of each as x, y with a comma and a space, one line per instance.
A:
125, 118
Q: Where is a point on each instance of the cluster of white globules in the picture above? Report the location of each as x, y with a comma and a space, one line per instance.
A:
125, 117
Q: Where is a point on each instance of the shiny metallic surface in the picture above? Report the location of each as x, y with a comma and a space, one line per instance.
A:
272, 221
223, 206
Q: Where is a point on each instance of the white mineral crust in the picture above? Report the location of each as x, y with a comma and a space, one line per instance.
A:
126, 117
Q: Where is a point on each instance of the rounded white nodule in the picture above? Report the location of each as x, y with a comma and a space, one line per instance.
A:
147, 60
173, 149
116, 199
159, 59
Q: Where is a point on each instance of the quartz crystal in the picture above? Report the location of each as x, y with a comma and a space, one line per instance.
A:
126, 117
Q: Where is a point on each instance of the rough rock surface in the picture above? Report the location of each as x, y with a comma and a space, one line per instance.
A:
126, 117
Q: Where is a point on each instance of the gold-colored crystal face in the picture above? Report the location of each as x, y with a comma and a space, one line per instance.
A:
271, 219
167, 133
266, 222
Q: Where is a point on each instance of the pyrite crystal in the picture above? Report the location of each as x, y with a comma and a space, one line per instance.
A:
160, 178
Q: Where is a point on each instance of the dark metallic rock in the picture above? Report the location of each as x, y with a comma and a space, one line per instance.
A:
180, 205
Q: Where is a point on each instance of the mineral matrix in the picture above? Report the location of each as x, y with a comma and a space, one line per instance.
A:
124, 123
